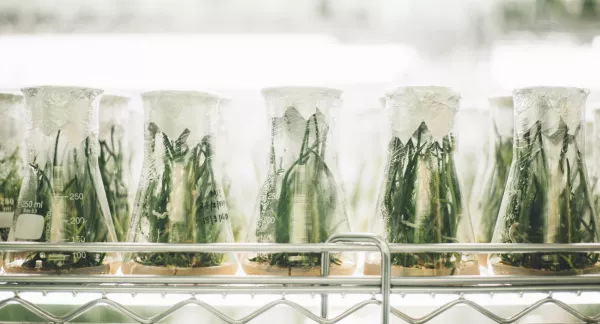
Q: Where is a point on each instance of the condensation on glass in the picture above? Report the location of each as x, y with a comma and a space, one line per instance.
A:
301, 201
180, 198
420, 198
62, 198
547, 198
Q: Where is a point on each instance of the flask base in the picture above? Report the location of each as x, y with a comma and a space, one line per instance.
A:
135, 268
102, 269
505, 269
265, 269
482, 258
466, 268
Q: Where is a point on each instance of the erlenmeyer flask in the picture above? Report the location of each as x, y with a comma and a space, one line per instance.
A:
301, 200
113, 160
590, 162
547, 196
12, 130
420, 199
486, 205
180, 199
472, 129
62, 198
594, 152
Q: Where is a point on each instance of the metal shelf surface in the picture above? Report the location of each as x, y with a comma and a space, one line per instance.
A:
371, 291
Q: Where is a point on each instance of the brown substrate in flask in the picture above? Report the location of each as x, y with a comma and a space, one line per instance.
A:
264, 268
501, 268
135, 268
465, 267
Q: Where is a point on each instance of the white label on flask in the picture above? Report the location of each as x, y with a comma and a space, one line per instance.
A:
29, 227
6, 219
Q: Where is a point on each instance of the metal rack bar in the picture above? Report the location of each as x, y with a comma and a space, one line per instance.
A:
297, 248
194, 289
201, 280
457, 281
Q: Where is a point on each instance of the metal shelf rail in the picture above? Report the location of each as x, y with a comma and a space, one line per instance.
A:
380, 288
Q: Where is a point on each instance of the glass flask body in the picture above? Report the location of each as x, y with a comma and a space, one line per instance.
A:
62, 198
420, 198
113, 160
593, 150
12, 131
485, 207
301, 200
180, 199
472, 146
547, 197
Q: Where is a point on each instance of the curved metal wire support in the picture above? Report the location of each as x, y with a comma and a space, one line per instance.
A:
384, 248
482, 310
118, 307
324, 285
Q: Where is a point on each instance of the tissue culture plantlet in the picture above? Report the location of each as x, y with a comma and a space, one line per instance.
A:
528, 211
111, 163
10, 184
183, 205
66, 195
494, 188
422, 200
304, 192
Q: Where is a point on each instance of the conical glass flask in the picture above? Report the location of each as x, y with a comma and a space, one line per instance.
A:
590, 163
420, 199
594, 165
180, 199
113, 160
547, 196
12, 131
471, 130
301, 200
486, 205
62, 199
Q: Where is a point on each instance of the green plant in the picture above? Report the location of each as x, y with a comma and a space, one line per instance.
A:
421, 200
304, 192
10, 184
548, 201
112, 165
493, 190
183, 204
65, 194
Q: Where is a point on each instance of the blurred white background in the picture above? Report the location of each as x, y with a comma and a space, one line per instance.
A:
236, 47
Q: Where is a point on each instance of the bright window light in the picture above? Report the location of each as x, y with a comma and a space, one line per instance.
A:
195, 61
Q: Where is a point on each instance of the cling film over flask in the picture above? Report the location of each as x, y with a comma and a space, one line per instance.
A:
62, 198
12, 130
301, 201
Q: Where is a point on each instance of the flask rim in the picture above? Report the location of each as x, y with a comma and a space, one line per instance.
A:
501, 102
390, 94
550, 89
291, 89
62, 88
174, 93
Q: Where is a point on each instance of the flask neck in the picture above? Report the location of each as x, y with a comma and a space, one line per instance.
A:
409, 107
550, 110
296, 140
